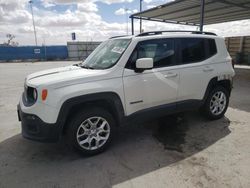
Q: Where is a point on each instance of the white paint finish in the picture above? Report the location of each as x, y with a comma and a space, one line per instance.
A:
144, 63
61, 76
57, 96
152, 88
45, 112
194, 77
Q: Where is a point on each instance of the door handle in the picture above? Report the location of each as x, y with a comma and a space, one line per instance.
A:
208, 69
169, 75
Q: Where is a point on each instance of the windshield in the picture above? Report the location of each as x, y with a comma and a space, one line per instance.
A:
106, 54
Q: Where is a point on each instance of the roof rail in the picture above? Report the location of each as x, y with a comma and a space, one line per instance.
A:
118, 36
173, 31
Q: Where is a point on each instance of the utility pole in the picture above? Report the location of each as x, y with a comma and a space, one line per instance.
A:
31, 2
132, 25
140, 18
202, 14
126, 9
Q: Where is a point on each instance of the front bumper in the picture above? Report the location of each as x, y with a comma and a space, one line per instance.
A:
34, 128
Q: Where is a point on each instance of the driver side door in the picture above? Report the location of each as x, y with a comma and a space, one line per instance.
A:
156, 87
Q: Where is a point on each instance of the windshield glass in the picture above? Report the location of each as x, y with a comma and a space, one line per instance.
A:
106, 54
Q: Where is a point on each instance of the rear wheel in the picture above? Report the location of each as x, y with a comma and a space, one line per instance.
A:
91, 130
216, 103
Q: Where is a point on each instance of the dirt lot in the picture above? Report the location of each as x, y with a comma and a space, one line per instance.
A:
176, 151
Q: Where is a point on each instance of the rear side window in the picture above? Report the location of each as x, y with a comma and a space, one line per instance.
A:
212, 50
193, 50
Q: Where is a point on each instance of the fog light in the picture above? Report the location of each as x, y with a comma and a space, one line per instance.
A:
31, 117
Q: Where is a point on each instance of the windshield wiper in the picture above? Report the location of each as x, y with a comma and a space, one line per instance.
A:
86, 67
77, 64
82, 66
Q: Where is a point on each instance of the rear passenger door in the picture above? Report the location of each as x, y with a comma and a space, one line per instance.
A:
197, 58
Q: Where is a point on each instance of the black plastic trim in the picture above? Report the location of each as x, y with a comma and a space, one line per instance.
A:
136, 102
151, 113
150, 33
112, 98
166, 109
214, 82
34, 128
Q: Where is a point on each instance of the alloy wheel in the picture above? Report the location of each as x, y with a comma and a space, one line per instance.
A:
93, 133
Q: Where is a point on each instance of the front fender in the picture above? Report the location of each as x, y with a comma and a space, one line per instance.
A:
111, 97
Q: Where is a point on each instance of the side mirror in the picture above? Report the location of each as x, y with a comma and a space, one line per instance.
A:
144, 64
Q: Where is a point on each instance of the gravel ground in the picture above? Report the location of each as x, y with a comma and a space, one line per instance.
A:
184, 150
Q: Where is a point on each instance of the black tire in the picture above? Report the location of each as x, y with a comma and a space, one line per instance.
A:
206, 107
74, 129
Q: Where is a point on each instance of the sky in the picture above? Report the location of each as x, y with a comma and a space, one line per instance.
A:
91, 20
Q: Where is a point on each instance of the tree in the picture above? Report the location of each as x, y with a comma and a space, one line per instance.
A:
10, 40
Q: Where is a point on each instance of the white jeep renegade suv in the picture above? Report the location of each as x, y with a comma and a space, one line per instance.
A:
144, 76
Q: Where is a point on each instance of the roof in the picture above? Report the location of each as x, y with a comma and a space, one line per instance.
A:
188, 12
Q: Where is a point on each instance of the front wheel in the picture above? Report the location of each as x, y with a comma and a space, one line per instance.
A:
217, 102
91, 130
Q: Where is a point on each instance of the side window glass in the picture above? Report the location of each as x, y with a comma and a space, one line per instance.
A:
146, 50
164, 54
161, 51
193, 50
211, 47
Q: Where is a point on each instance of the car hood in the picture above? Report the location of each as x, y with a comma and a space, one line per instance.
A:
64, 75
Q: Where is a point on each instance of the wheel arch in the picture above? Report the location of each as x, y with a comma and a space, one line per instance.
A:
227, 84
107, 100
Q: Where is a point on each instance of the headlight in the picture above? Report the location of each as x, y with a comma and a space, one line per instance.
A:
30, 95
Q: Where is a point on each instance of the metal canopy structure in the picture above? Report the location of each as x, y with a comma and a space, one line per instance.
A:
196, 12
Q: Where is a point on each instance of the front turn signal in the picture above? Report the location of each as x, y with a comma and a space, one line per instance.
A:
44, 94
